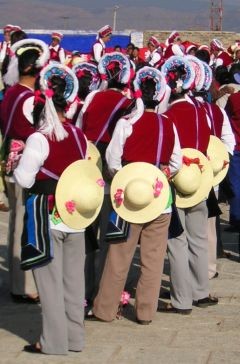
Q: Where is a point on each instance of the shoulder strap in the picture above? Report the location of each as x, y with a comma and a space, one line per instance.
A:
117, 107
160, 140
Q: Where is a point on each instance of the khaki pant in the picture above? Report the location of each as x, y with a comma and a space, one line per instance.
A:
153, 244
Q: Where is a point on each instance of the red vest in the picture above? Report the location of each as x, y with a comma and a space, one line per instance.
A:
20, 127
193, 131
99, 111
226, 58
54, 55
216, 117
233, 111
63, 153
142, 144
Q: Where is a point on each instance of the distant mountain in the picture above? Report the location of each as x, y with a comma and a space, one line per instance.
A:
138, 14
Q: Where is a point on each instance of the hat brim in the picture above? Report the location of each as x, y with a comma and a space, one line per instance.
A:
150, 173
76, 171
94, 155
216, 149
185, 201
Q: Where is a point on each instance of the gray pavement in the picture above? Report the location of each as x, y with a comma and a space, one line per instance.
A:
207, 336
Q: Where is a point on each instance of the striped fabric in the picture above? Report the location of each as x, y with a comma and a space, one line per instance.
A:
37, 248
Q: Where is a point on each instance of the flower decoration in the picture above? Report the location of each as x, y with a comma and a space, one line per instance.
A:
158, 186
125, 297
124, 300
70, 206
119, 196
101, 182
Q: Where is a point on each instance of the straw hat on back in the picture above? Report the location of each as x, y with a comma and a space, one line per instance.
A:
194, 180
139, 192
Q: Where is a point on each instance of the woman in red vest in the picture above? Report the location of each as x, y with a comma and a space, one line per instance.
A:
60, 281
149, 138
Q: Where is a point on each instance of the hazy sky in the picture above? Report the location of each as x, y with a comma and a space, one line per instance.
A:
132, 14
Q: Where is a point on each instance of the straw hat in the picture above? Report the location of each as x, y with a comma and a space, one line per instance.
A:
139, 192
94, 155
194, 180
79, 194
219, 158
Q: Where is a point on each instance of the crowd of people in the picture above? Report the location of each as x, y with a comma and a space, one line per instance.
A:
119, 143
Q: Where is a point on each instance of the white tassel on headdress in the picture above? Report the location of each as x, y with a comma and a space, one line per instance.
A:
11, 77
50, 124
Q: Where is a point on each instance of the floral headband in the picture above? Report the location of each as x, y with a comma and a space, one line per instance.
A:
208, 76
57, 69
199, 71
107, 62
154, 74
80, 68
176, 62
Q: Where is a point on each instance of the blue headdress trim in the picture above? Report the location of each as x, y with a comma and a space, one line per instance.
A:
123, 62
57, 69
176, 61
208, 76
152, 73
93, 69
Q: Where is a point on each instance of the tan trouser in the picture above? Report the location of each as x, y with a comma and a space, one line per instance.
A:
153, 244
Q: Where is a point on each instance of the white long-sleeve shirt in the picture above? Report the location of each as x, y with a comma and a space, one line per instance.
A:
34, 155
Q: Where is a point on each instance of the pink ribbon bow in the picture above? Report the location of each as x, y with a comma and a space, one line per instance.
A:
49, 92
138, 94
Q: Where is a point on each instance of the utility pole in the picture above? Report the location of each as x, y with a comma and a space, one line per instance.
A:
216, 15
116, 7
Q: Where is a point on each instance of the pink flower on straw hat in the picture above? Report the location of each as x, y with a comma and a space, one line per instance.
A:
157, 188
119, 196
100, 182
70, 206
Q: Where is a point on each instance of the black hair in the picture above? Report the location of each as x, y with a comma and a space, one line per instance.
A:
27, 62
114, 73
117, 46
58, 85
235, 68
15, 37
203, 55
18, 35
222, 75
148, 89
83, 85
130, 45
